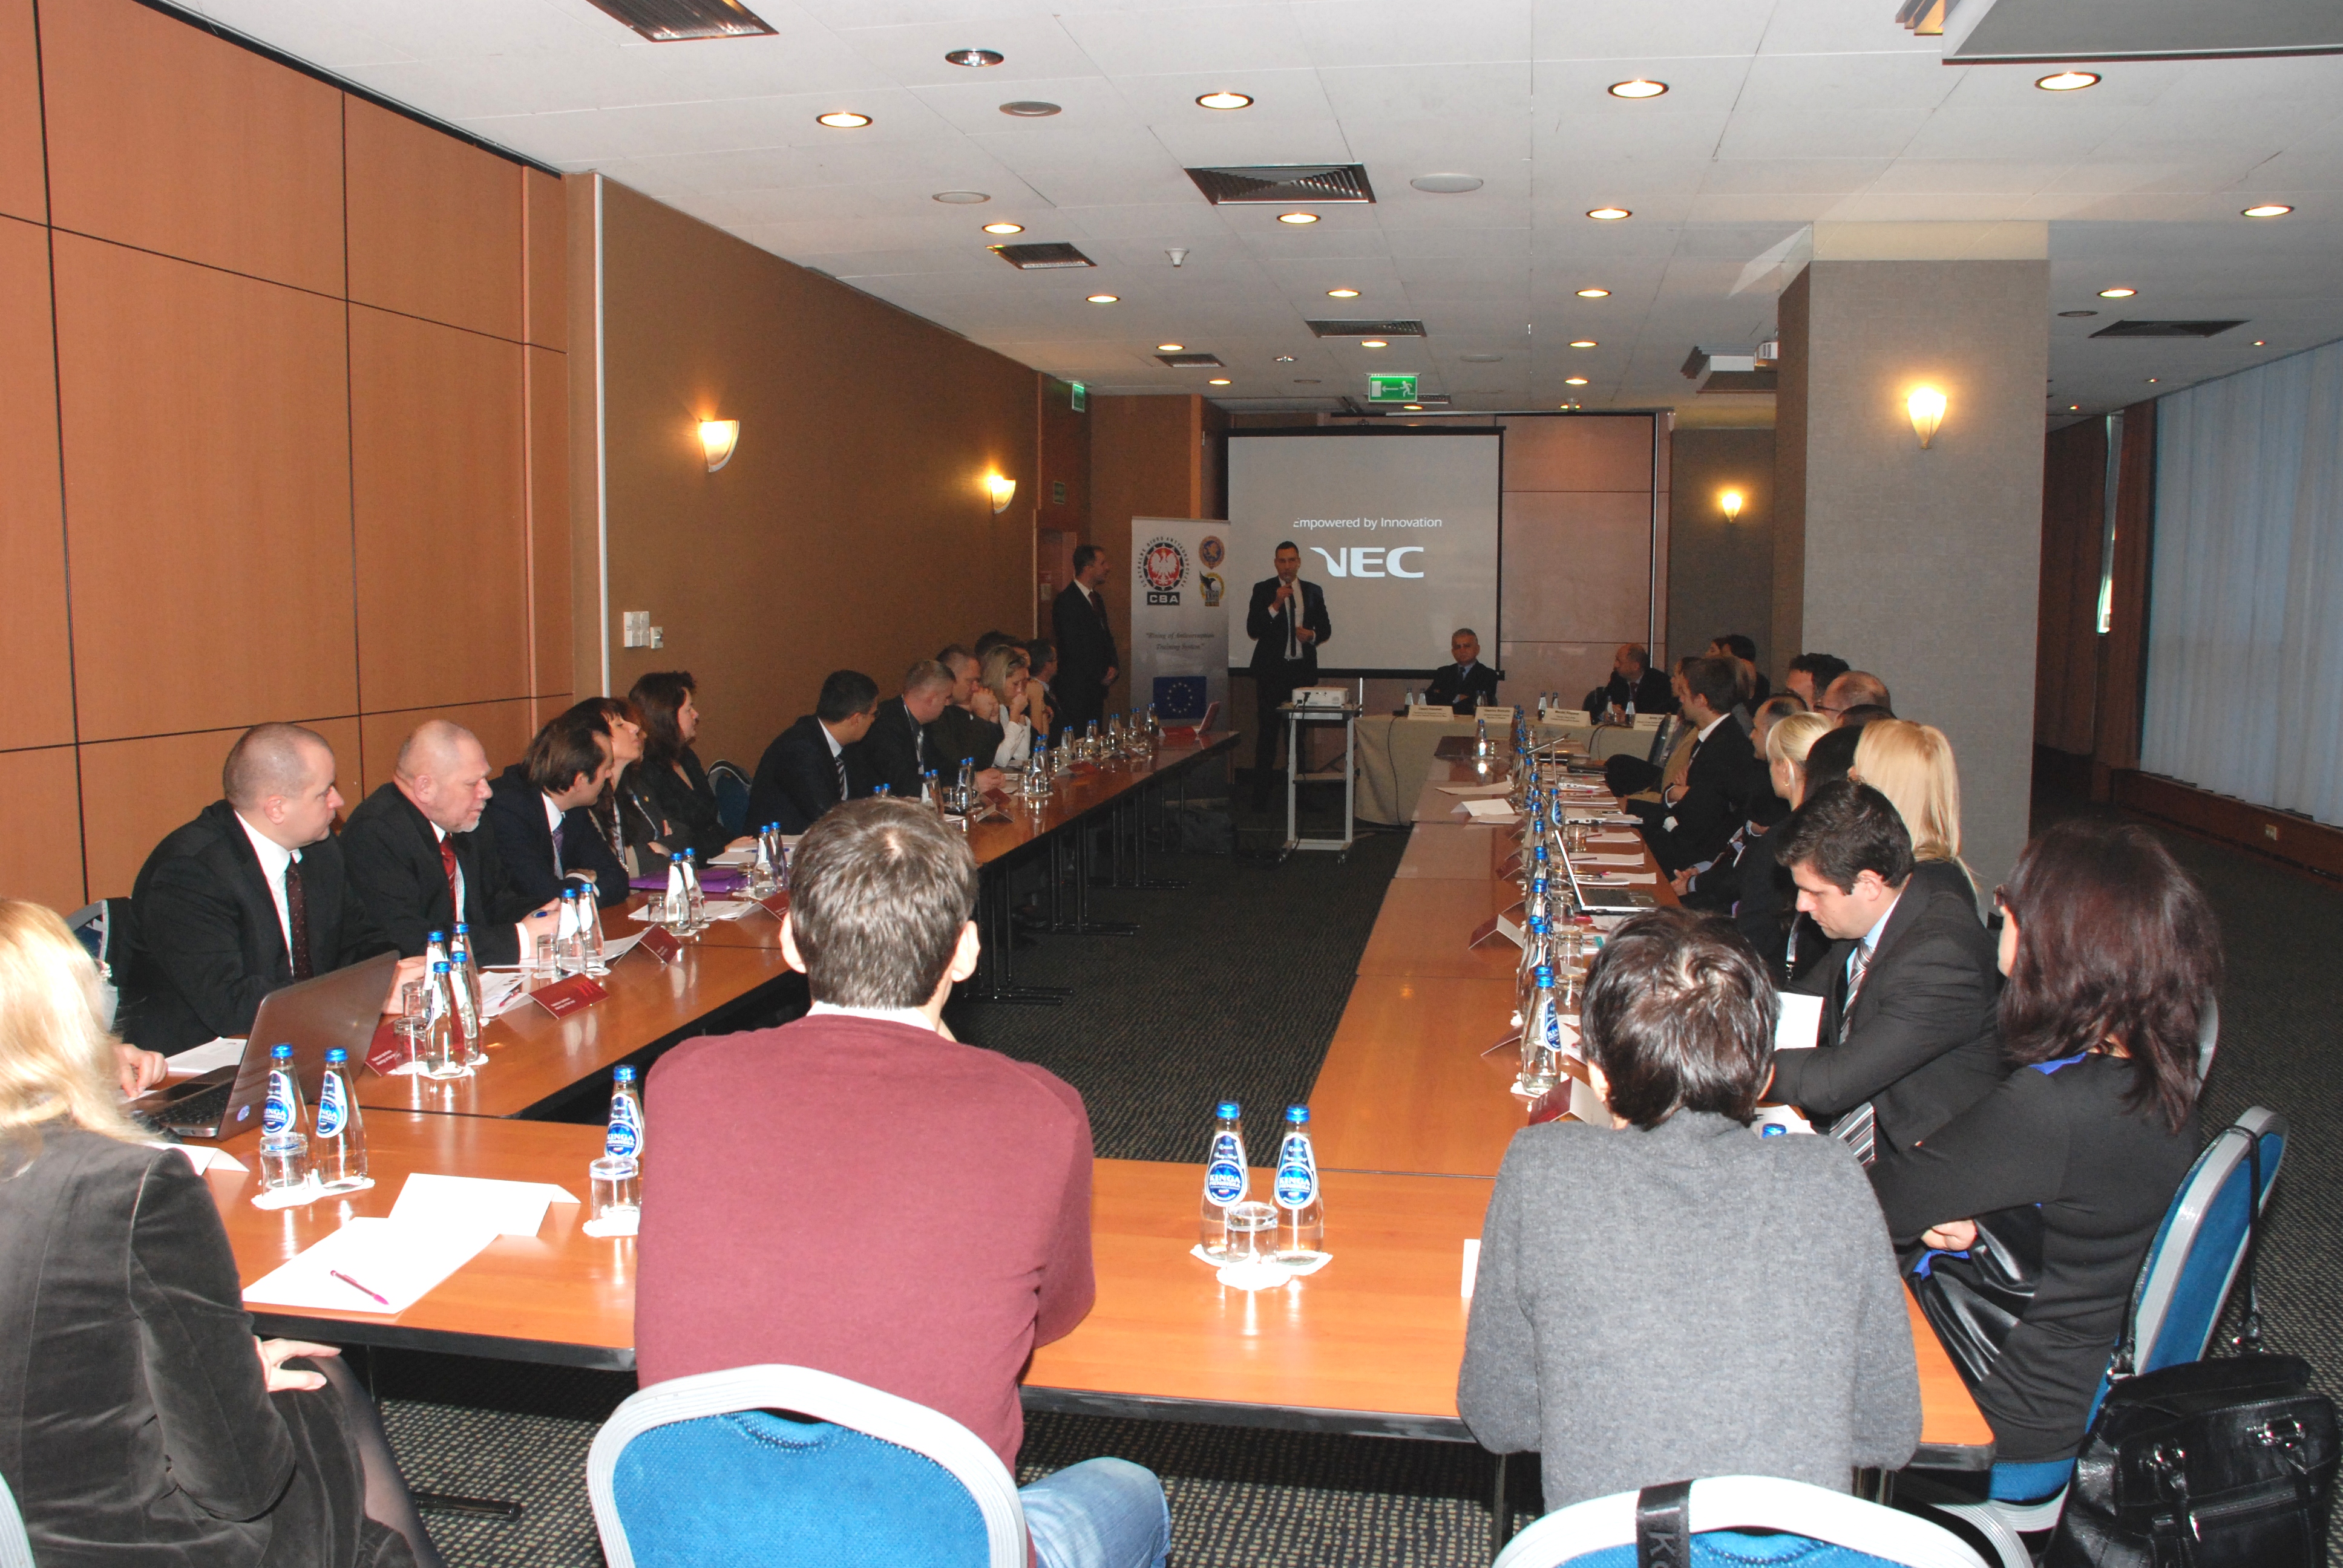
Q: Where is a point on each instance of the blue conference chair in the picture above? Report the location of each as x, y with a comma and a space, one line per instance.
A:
1801, 1526
700, 1469
731, 787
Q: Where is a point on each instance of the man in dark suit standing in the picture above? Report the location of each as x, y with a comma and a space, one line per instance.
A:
249, 897
896, 752
565, 768
817, 762
1908, 1038
1287, 622
1695, 816
1467, 679
1087, 662
415, 861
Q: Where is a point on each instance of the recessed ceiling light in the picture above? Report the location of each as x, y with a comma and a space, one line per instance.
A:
2118, 293
1218, 381
1374, 343
960, 199
1225, 101
1446, 185
2269, 209
2068, 81
1609, 214
1170, 347
2261, 343
1594, 294
1004, 228
1284, 359
2151, 381
844, 120
2077, 313
1342, 294
1031, 109
1297, 218
1412, 407
1640, 88
1104, 299
1584, 343
1573, 381
972, 57
2074, 408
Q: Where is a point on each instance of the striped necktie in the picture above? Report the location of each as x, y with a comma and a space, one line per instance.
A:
841, 760
1859, 1128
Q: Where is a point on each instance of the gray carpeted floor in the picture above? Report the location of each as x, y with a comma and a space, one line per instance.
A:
1234, 990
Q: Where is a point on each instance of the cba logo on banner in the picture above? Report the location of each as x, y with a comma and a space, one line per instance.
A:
1164, 564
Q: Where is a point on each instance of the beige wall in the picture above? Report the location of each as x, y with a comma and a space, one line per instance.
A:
1721, 573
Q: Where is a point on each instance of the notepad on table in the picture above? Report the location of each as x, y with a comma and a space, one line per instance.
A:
371, 1265
507, 1208
204, 1057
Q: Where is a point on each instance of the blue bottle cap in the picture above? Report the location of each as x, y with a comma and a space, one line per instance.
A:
1227, 1111
440, 968
568, 893
439, 936
1545, 974
336, 1055
623, 1075
1297, 1114
279, 1052
965, 761
462, 930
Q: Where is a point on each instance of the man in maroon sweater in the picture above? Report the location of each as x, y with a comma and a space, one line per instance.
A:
859, 1192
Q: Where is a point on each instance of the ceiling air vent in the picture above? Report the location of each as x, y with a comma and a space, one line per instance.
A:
1283, 183
1190, 361
2166, 329
1042, 257
675, 20
1367, 329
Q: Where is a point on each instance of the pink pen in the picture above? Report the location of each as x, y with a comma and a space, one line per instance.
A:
355, 1286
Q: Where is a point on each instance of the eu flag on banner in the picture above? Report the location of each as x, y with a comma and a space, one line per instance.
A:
1179, 698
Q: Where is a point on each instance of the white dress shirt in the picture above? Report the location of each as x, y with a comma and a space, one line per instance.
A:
910, 1015
275, 861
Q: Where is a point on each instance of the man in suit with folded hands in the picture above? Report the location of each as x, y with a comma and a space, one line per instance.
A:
817, 762
895, 750
1698, 810
1465, 681
419, 866
249, 897
1086, 658
567, 766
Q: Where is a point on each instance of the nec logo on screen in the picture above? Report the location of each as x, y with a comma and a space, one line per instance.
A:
1367, 561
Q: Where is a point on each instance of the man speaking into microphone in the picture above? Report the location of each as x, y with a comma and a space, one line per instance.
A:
1287, 622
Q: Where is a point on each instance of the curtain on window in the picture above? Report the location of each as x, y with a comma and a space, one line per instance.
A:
2244, 653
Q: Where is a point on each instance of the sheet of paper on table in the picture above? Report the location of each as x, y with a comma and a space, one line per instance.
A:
734, 858
203, 1058
1488, 810
1801, 1022
1474, 789
203, 1157
1605, 877
1628, 861
371, 1265
506, 1207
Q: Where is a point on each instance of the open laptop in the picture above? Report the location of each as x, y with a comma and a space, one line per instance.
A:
311, 1016
1604, 897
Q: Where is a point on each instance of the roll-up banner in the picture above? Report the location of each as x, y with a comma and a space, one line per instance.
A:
1179, 616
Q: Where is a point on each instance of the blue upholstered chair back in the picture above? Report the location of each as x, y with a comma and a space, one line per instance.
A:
2201, 1245
16, 1552
731, 787
1747, 1519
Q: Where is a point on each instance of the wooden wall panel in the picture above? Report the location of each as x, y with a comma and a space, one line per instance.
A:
40, 857
133, 792
2123, 669
504, 729
548, 520
1578, 565
1590, 453
23, 185
2067, 640
165, 137
437, 474
34, 649
435, 224
544, 238
206, 482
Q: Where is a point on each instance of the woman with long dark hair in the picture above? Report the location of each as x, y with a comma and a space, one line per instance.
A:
672, 783
2113, 957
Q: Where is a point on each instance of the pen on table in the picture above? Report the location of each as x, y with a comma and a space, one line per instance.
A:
355, 1286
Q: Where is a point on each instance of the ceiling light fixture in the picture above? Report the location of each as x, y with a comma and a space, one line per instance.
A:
2118, 293
1284, 359
2074, 408
2261, 343
1225, 101
1926, 406
1584, 343
1342, 294
960, 199
843, 120
1031, 109
1573, 381
2076, 314
972, 57
1170, 348
1105, 299
1594, 294
1609, 214
2268, 209
1004, 228
2151, 381
1218, 381
1297, 218
2068, 81
1412, 407
1446, 185
1641, 87
1374, 343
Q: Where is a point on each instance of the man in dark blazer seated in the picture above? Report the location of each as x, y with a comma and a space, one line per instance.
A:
1908, 1038
895, 751
956, 732
411, 849
1287, 622
564, 772
1087, 662
1467, 680
1695, 817
250, 896
1633, 681
817, 762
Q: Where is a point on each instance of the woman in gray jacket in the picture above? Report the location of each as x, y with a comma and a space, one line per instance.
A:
1673, 1296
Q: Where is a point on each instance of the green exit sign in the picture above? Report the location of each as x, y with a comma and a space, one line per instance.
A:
1080, 396
1390, 388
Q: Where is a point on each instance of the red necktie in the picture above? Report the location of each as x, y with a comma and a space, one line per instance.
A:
454, 894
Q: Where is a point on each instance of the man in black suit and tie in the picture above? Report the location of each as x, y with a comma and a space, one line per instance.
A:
250, 896
1087, 662
1287, 622
1466, 680
1634, 685
567, 766
817, 762
1695, 816
895, 751
415, 861
1909, 1038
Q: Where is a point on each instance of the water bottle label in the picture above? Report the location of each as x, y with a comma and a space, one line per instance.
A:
625, 1138
1297, 1173
1224, 1176
333, 1106
277, 1116
1553, 1040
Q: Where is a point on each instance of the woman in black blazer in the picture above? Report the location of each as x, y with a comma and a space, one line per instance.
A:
140, 1421
669, 778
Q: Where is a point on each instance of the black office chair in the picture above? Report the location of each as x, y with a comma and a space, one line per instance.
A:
109, 930
731, 787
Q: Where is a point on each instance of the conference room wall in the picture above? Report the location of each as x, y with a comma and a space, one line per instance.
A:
2074, 524
1063, 438
852, 527
1154, 456
1721, 573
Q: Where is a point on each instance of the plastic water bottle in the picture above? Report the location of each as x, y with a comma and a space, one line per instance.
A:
568, 949
1541, 1036
443, 1051
930, 794
624, 1139
1037, 770
761, 873
1090, 742
1300, 1211
694, 903
464, 965
1480, 736
284, 1147
590, 932
1226, 1179
672, 908
339, 1156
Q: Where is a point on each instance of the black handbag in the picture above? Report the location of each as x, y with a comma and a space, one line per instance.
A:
1974, 1300
2226, 1462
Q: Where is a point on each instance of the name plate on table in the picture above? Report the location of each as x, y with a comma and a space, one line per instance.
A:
1494, 927
566, 997
775, 904
382, 1053
661, 943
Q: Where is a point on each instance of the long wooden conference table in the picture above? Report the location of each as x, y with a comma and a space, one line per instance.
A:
1413, 1112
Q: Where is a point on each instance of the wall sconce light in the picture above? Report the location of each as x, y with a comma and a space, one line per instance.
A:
1926, 406
717, 438
1731, 501
1003, 491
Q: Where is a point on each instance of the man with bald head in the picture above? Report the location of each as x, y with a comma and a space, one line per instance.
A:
415, 861
250, 896
1855, 689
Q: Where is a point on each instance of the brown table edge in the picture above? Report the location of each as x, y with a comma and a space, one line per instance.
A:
381, 1336
1234, 1412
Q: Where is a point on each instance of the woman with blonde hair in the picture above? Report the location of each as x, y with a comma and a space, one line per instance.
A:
1000, 699
1764, 906
1912, 764
1786, 744
145, 1422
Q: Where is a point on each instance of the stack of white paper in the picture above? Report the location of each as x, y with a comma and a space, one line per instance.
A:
204, 1057
506, 1207
371, 1265
1488, 810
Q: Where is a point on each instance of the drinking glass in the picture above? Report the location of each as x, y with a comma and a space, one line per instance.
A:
542, 968
1253, 1234
443, 1050
284, 1161
413, 1033
618, 1186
